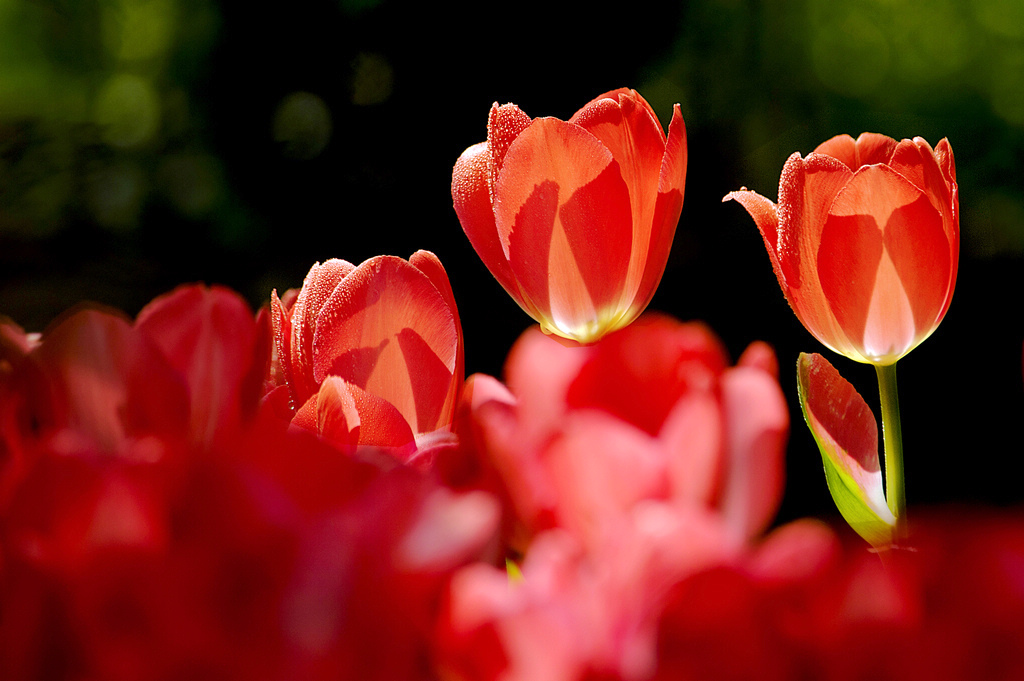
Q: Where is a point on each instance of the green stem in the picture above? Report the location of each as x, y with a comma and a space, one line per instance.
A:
892, 434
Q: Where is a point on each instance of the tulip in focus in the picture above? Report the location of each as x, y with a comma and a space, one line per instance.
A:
575, 219
368, 355
865, 240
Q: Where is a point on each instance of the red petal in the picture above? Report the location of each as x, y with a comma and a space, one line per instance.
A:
104, 379
766, 217
944, 157
601, 468
884, 309
870, 148
209, 336
848, 260
564, 212
916, 161
348, 415
282, 330
916, 242
504, 124
693, 434
428, 263
388, 330
639, 372
628, 128
539, 371
760, 355
337, 418
318, 285
806, 191
757, 424
667, 210
471, 195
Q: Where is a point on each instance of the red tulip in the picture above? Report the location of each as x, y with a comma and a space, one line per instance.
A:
370, 355
575, 219
865, 241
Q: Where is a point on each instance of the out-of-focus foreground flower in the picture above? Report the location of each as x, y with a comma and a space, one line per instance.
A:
626, 466
369, 355
865, 241
575, 219
155, 524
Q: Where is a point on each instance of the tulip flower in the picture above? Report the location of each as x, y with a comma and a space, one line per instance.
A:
575, 219
864, 241
369, 355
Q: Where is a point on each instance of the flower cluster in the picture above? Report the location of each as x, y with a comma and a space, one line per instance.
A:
314, 490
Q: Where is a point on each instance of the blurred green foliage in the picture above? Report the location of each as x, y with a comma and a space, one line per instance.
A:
785, 76
104, 112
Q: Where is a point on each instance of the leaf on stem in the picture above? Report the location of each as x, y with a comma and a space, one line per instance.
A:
847, 435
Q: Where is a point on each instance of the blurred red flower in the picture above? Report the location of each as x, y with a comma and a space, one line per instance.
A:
369, 355
865, 241
807, 604
575, 219
625, 466
155, 524
652, 411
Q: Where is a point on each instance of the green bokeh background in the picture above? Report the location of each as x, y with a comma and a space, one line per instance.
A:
146, 143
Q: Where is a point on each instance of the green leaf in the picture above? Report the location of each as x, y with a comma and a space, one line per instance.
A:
847, 436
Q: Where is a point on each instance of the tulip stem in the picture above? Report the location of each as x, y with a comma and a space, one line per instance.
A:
892, 434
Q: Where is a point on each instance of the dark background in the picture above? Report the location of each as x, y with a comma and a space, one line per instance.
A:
146, 143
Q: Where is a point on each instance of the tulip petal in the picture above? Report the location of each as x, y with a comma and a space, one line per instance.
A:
564, 216
103, 378
281, 327
916, 243
209, 336
847, 436
504, 124
471, 195
807, 188
390, 331
915, 161
766, 217
667, 209
318, 285
428, 263
757, 426
664, 356
601, 467
944, 157
626, 125
349, 415
869, 148
693, 435
884, 263
848, 265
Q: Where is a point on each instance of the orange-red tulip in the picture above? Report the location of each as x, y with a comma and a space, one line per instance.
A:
865, 241
369, 355
575, 219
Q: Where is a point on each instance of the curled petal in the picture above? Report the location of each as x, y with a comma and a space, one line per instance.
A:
348, 415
